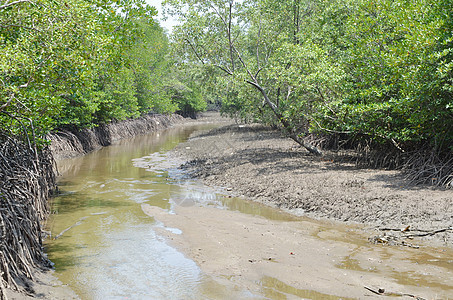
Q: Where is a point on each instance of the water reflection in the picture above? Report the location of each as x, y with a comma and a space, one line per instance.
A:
103, 245
275, 289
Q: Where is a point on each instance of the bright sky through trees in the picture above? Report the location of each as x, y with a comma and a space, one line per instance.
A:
170, 22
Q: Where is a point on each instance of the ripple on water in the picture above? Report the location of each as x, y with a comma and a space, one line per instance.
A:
137, 263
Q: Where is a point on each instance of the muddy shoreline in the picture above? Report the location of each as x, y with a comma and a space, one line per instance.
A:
67, 143
262, 165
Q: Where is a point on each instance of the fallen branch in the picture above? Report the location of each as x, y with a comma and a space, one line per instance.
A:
382, 292
70, 227
428, 233
425, 232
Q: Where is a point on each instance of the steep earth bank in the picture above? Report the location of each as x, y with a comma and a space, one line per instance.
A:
64, 144
72, 143
259, 163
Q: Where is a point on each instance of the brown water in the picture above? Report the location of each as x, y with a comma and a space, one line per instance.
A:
105, 247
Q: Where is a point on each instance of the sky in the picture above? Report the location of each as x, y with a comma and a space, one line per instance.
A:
166, 24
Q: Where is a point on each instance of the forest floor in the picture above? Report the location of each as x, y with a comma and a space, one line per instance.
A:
262, 165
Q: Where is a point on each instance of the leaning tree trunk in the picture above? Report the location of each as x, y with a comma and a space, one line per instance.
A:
312, 149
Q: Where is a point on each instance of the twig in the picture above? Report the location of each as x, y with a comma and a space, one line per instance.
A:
429, 233
70, 227
14, 3
382, 292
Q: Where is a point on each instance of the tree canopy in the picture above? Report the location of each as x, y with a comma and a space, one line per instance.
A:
374, 70
80, 63
378, 70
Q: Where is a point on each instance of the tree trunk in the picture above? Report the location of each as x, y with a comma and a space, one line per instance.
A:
312, 149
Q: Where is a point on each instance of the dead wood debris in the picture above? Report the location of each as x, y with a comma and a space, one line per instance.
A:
26, 180
383, 292
398, 237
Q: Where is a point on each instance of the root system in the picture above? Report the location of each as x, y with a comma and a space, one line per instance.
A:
26, 180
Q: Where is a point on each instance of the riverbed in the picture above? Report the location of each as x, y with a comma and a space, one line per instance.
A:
129, 224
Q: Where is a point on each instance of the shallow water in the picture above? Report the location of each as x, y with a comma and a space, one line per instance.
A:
105, 247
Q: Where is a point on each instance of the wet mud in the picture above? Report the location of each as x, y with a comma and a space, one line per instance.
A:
131, 224
260, 164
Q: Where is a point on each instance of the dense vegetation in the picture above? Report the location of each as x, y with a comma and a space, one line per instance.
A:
378, 71
80, 63
70, 64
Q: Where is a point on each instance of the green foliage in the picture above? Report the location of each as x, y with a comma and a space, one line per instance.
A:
80, 63
187, 96
45, 50
379, 69
397, 89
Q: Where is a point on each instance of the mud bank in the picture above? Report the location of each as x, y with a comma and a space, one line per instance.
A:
72, 143
259, 163
301, 259
26, 182
67, 144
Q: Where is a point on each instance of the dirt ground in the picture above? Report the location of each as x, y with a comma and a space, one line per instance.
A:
45, 286
273, 256
302, 259
260, 164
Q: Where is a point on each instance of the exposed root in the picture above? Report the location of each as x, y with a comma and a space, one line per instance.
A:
428, 167
26, 180
72, 142
423, 165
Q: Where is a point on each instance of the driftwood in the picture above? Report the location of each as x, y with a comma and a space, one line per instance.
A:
26, 180
69, 228
400, 235
420, 232
383, 292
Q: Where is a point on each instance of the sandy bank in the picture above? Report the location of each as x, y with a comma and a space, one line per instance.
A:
260, 164
301, 259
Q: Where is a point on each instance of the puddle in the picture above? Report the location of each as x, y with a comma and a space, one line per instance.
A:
275, 289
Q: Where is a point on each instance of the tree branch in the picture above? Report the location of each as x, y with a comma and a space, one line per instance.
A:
194, 50
225, 70
258, 72
258, 48
7, 103
20, 26
312, 149
14, 3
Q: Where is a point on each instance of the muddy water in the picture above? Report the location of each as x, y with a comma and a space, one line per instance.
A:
105, 247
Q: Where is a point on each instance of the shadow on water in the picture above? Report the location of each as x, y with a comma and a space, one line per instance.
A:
67, 203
